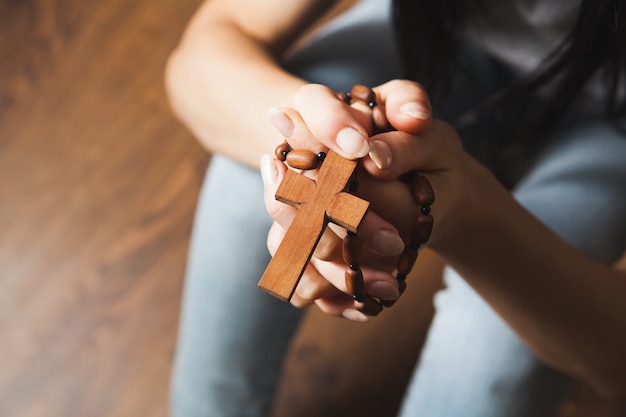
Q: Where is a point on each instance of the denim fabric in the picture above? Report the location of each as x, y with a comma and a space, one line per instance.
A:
233, 336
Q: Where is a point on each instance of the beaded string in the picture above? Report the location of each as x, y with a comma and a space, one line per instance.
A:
422, 193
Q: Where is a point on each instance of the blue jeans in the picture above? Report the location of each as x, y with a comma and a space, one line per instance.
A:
233, 336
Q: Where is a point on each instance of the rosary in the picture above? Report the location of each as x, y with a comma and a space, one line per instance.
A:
330, 199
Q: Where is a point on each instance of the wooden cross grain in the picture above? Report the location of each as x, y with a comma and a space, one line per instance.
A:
318, 204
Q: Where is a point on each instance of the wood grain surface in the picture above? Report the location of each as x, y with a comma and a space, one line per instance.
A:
98, 185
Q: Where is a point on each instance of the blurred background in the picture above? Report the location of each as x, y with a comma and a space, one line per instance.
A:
98, 185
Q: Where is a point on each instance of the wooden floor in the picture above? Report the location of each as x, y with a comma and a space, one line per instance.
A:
98, 184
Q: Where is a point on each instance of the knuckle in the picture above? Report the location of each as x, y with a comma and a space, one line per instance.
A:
309, 91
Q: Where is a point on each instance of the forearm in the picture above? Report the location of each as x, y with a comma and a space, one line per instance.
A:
568, 308
222, 80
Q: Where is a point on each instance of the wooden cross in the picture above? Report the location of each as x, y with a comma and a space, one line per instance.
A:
318, 204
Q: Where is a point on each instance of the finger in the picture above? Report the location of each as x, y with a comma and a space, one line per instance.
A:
329, 246
401, 213
272, 173
294, 129
377, 283
331, 121
375, 234
341, 306
312, 286
407, 105
380, 236
436, 149
274, 237
346, 307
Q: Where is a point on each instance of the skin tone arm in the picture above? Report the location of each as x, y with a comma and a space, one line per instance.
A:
567, 308
223, 77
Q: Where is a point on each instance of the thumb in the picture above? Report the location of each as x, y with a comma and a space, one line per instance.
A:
407, 105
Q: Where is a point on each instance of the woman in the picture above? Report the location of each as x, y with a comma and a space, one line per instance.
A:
227, 73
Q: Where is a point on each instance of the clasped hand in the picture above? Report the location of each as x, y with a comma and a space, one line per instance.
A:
398, 136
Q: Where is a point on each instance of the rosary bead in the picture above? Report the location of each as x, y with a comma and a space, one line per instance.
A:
302, 160
422, 191
351, 249
363, 93
354, 282
406, 261
401, 286
422, 228
282, 150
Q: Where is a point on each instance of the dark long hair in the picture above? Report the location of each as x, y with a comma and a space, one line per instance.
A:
518, 116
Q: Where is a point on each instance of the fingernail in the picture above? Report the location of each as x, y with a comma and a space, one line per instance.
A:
268, 170
383, 290
354, 315
387, 243
352, 142
415, 110
281, 122
380, 154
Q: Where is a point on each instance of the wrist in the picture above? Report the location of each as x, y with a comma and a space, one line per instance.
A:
468, 214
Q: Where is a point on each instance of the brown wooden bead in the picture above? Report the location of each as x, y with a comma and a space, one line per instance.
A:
282, 150
302, 160
369, 306
401, 287
354, 282
363, 93
422, 228
406, 261
351, 249
422, 191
